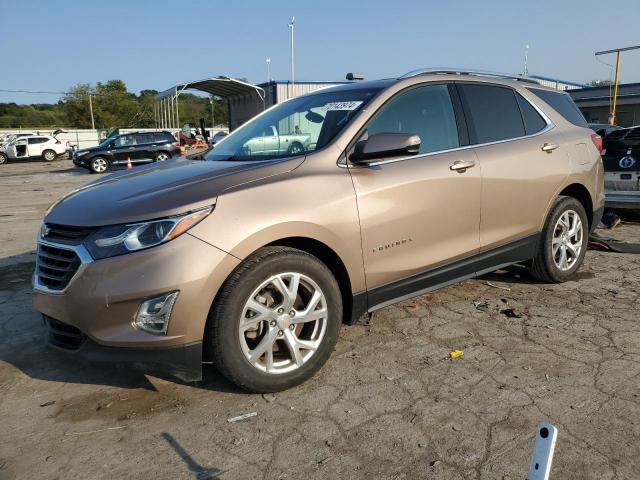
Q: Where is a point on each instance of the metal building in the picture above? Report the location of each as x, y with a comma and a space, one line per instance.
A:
596, 103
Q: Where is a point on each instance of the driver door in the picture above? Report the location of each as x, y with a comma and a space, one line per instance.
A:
417, 214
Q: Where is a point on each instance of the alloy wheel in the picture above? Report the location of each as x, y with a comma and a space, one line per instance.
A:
566, 244
99, 165
283, 323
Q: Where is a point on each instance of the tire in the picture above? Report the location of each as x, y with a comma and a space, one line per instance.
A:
3, 159
232, 347
99, 165
548, 265
162, 156
49, 155
295, 148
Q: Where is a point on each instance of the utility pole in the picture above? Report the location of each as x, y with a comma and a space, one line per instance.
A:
93, 123
292, 26
617, 51
268, 61
526, 60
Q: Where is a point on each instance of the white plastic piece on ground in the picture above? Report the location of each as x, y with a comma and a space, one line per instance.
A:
542, 456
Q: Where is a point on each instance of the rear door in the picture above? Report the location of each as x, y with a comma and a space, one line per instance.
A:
144, 151
518, 177
416, 213
36, 145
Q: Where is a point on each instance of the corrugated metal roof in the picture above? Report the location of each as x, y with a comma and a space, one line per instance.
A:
219, 86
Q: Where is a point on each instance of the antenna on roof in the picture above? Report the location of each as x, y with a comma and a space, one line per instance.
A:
355, 76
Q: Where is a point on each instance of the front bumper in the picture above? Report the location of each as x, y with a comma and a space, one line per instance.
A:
182, 361
101, 301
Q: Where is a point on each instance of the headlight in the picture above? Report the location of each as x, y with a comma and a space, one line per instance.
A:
121, 239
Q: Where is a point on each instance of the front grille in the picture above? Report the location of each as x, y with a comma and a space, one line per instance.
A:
62, 335
66, 233
56, 266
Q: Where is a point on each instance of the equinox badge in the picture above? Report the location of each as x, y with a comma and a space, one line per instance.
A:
386, 246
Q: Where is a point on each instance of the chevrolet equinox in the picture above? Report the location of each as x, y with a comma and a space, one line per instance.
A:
251, 256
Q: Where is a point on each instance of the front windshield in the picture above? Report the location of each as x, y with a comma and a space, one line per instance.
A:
295, 127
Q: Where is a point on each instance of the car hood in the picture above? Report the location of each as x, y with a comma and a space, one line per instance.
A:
159, 190
82, 151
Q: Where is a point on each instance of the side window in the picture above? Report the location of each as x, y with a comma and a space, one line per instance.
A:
36, 140
492, 113
533, 121
125, 141
563, 104
425, 111
144, 138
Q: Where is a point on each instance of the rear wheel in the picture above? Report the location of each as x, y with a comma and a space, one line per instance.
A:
3, 158
563, 243
275, 321
295, 148
49, 155
99, 165
162, 156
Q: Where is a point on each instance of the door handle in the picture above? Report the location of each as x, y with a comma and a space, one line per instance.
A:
461, 166
549, 147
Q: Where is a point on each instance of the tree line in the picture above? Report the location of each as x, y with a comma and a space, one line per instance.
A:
113, 106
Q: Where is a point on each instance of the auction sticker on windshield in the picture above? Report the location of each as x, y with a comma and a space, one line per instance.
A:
343, 105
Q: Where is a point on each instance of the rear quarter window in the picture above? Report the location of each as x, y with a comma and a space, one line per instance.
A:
563, 104
163, 137
533, 121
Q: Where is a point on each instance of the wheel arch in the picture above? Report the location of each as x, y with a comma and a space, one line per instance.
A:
332, 260
580, 193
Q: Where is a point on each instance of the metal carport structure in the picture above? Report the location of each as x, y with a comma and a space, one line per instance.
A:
167, 114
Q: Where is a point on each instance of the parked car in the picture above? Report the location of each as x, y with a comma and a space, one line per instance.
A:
137, 147
36, 146
216, 137
252, 258
603, 129
6, 139
621, 159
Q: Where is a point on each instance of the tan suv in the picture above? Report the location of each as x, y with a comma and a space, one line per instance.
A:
252, 258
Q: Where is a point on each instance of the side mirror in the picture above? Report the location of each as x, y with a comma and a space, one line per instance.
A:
385, 145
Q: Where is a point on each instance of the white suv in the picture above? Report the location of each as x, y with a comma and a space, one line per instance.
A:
45, 146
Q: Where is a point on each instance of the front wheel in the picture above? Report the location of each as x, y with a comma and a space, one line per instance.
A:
3, 158
275, 321
99, 165
49, 155
563, 243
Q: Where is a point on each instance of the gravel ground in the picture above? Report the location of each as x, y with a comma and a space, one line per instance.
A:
390, 403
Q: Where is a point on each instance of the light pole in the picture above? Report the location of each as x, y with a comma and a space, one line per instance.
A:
617, 51
268, 62
292, 26
93, 123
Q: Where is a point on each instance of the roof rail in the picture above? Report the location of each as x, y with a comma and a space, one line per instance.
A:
466, 71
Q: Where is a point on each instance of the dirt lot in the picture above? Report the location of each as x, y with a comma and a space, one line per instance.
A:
389, 404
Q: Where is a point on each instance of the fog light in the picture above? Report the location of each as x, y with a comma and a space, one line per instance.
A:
154, 313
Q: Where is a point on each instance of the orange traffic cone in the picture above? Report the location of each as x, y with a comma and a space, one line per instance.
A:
129, 166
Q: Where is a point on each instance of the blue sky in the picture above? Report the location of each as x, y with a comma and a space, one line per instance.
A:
52, 45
